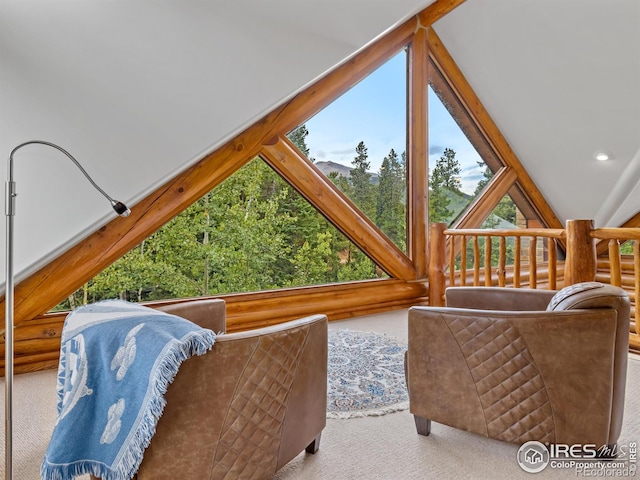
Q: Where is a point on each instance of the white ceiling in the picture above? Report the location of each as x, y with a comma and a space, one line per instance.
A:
561, 79
138, 90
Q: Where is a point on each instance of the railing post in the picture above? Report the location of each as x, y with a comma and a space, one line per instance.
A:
580, 263
615, 269
437, 263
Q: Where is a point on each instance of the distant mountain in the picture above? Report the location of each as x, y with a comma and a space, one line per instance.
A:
326, 167
458, 201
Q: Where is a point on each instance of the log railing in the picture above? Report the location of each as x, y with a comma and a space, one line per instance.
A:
523, 257
622, 270
528, 258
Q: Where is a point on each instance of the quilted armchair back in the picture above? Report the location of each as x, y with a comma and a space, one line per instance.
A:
496, 363
246, 408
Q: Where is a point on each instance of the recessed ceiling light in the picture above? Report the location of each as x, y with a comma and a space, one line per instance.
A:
602, 156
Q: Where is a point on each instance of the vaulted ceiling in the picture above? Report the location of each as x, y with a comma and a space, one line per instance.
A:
140, 90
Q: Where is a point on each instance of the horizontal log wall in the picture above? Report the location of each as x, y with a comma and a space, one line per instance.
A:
542, 277
621, 270
603, 274
37, 343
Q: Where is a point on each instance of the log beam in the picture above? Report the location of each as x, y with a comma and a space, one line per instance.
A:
437, 264
581, 261
322, 194
418, 158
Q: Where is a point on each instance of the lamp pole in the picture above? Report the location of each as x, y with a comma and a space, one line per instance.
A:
10, 200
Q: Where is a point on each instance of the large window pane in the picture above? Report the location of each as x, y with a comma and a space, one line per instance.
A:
253, 232
359, 142
457, 169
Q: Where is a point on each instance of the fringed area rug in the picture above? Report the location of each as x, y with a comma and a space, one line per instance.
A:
366, 374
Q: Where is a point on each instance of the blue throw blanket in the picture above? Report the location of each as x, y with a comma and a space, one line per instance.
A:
116, 361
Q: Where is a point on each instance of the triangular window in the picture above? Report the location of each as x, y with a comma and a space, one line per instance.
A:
359, 143
253, 232
456, 164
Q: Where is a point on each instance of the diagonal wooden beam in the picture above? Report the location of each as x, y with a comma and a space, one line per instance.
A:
437, 10
44, 289
484, 204
339, 210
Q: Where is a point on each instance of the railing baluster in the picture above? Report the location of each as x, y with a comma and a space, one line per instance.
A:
553, 263
533, 264
614, 263
487, 261
502, 262
516, 263
476, 261
452, 260
463, 261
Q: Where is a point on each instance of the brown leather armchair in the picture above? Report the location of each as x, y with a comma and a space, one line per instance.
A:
520, 365
247, 407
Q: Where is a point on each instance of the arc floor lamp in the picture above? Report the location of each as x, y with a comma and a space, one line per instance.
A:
10, 200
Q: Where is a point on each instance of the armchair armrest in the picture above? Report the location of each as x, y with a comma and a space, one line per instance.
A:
498, 298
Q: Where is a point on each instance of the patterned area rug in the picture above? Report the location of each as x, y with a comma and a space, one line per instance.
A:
366, 374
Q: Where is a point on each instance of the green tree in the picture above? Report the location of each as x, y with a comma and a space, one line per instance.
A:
247, 236
362, 191
314, 262
169, 263
506, 208
341, 182
391, 199
627, 247
444, 180
298, 137
487, 175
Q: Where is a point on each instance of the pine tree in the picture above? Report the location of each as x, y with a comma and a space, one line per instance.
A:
444, 179
298, 138
362, 194
391, 201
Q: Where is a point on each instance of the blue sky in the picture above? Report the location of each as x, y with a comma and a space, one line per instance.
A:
374, 112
